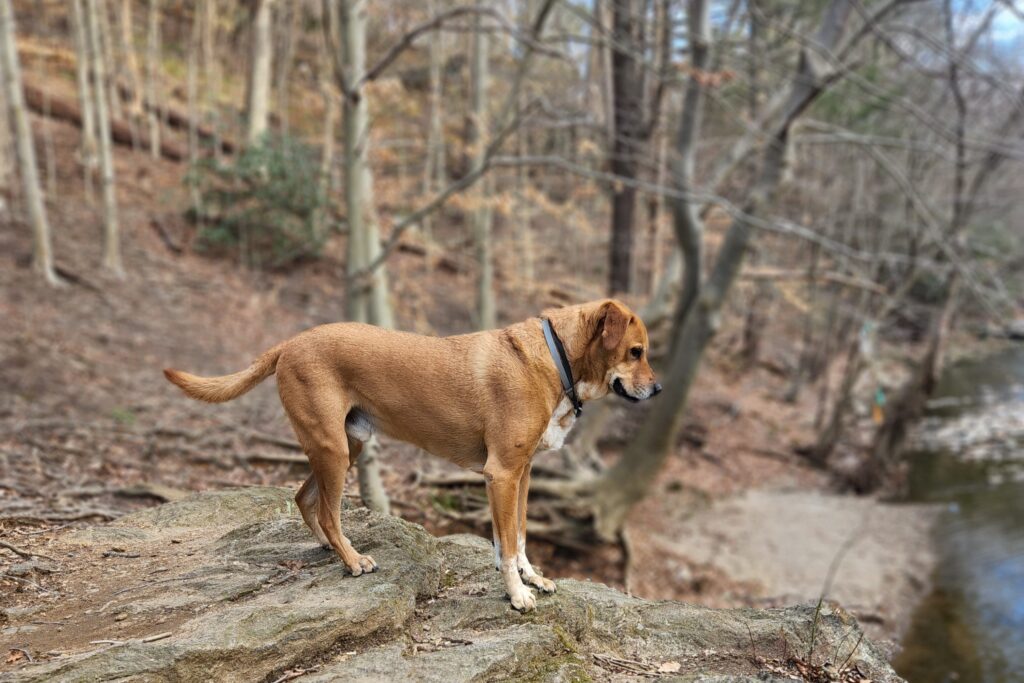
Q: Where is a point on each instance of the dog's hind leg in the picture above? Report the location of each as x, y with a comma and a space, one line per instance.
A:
315, 405
307, 499
330, 465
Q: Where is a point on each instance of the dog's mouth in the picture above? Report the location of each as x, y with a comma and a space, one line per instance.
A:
619, 389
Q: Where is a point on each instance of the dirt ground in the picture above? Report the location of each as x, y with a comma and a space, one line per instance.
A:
89, 430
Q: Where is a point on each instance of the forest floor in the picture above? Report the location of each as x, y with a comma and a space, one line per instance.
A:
90, 430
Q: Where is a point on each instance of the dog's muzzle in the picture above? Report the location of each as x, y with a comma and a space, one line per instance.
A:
619, 388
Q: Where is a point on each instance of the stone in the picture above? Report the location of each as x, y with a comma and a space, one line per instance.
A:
245, 593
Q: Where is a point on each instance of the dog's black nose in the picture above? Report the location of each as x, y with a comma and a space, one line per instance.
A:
657, 389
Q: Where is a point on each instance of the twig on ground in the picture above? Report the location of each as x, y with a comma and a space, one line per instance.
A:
26, 554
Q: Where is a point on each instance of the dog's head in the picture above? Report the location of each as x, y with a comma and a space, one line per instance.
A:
612, 340
621, 339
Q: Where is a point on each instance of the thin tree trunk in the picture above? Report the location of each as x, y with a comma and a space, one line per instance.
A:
478, 139
7, 152
109, 57
262, 52
211, 75
10, 70
330, 97
368, 297
286, 60
111, 232
434, 166
191, 95
627, 94
153, 76
85, 97
130, 67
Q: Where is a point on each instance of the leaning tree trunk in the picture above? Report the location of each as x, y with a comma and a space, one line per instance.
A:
111, 231
258, 96
482, 217
10, 71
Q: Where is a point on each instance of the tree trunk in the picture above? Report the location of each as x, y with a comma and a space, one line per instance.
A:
10, 70
130, 67
330, 97
153, 76
7, 153
211, 76
367, 298
627, 97
111, 232
292, 13
699, 309
192, 103
482, 218
434, 167
89, 145
107, 54
262, 52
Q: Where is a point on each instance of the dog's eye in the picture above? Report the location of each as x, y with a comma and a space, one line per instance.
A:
636, 352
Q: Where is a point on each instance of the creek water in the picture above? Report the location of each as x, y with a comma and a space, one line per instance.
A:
969, 455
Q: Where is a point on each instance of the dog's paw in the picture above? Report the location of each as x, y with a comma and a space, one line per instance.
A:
546, 585
523, 599
364, 564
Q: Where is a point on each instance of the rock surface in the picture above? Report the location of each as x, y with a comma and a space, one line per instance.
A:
231, 586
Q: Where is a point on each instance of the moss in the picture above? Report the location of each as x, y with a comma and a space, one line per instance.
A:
563, 637
568, 667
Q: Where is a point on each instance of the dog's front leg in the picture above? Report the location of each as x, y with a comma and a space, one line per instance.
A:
503, 494
526, 570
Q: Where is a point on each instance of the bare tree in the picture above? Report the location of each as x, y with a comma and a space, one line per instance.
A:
7, 169
82, 67
211, 75
698, 309
635, 109
130, 67
262, 53
153, 75
434, 168
367, 299
10, 71
290, 15
111, 231
482, 217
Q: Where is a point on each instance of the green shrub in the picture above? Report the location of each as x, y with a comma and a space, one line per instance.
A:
264, 204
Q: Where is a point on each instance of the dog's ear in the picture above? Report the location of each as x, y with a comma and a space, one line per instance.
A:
614, 319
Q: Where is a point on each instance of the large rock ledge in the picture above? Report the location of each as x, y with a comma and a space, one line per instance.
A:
231, 586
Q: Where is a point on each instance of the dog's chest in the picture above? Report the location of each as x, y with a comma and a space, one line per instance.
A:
559, 426
564, 418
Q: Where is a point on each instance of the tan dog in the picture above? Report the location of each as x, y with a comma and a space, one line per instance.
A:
486, 401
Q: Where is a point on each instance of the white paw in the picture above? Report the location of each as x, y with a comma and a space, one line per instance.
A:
523, 598
546, 585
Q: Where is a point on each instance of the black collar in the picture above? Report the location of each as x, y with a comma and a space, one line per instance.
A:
562, 364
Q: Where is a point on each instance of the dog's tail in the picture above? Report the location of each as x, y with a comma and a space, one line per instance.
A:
226, 387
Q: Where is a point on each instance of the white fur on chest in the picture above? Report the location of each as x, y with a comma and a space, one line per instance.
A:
563, 419
559, 426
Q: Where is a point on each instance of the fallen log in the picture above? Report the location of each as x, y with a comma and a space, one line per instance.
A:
64, 110
179, 120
